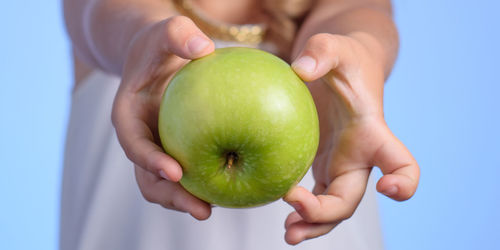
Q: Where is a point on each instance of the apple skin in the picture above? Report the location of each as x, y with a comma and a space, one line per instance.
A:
242, 124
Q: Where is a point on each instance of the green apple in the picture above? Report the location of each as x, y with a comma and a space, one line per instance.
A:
242, 124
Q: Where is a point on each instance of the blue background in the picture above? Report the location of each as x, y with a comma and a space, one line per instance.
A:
442, 101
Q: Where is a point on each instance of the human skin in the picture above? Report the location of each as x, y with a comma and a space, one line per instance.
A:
345, 49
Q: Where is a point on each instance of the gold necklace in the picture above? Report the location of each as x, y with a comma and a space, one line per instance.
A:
251, 34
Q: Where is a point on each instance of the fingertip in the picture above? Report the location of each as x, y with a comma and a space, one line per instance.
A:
396, 187
171, 173
391, 190
401, 171
183, 38
164, 175
175, 171
294, 194
319, 188
293, 236
199, 46
305, 66
321, 54
168, 168
294, 198
292, 218
304, 202
201, 213
297, 206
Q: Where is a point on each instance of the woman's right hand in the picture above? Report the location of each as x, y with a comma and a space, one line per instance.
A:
154, 55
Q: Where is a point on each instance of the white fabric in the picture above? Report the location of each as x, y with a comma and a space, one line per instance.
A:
102, 208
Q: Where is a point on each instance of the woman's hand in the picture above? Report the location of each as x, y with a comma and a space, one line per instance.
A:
347, 82
154, 55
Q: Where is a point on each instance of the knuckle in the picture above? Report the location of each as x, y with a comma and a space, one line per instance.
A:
346, 214
173, 24
176, 199
145, 185
408, 195
323, 44
178, 20
154, 161
115, 111
114, 117
128, 153
147, 196
320, 37
175, 32
175, 203
313, 217
168, 204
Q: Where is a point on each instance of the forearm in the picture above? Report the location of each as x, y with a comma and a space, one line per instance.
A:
368, 21
101, 30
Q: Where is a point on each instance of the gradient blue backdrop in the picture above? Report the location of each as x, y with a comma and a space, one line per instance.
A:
442, 100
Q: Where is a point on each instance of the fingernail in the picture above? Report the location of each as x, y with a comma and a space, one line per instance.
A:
296, 205
305, 63
391, 191
197, 44
164, 175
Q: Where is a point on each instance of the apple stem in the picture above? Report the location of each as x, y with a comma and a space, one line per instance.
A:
230, 160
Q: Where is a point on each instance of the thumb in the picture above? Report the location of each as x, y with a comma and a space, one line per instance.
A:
181, 36
400, 169
322, 53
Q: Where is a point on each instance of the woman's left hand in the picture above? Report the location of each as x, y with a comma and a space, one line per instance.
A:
346, 81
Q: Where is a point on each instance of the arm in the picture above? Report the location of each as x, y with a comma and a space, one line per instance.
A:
142, 42
101, 30
346, 50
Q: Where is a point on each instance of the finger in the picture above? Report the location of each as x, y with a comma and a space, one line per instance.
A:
292, 218
338, 203
137, 141
297, 230
318, 188
322, 53
302, 230
400, 169
183, 38
171, 195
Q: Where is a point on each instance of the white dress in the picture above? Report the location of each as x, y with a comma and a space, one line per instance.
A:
102, 207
